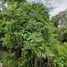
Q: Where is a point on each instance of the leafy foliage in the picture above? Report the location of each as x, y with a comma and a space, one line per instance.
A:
28, 37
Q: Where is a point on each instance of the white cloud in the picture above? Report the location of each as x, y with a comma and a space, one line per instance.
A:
60, 8
35, 0
60, 5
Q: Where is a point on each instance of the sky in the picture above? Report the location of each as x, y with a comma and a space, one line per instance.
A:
35, 0
58, 6
0, 5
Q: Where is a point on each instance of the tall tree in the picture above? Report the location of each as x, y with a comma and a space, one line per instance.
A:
29, 34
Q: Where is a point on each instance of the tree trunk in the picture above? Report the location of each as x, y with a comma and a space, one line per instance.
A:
35, 62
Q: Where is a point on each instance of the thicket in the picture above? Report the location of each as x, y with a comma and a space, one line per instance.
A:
28, 38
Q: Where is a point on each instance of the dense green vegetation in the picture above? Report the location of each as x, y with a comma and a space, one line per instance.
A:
60, 19
60, 22
28, 38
